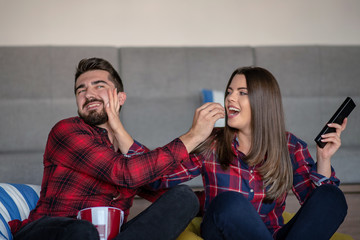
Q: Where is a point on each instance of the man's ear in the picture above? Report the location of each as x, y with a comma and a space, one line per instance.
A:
122, 97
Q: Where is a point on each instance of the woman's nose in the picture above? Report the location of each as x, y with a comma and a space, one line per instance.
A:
230, 97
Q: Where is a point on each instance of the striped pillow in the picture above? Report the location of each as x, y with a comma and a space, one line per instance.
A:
214, 96
16, 202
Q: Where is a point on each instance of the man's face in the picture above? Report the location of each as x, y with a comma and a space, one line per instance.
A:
91, 91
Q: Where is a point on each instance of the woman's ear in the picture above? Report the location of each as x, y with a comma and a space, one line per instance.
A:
122, 97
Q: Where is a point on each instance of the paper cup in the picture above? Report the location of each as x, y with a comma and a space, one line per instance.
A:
107, 220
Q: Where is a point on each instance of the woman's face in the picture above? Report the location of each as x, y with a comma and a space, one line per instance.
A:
237, 104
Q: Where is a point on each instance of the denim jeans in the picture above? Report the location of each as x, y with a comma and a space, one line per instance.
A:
231, 216
319, 217
165, 219
57, 228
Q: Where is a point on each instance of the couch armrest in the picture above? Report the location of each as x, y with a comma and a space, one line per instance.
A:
16, 202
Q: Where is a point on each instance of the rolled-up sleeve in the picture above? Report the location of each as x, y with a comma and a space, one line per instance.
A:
306, 178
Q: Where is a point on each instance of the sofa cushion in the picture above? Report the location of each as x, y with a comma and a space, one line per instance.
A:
192, 231
16, 202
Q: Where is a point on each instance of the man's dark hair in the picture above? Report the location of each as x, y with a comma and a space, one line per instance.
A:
89, 64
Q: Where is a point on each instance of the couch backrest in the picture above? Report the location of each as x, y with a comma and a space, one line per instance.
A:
164, 88
37, 91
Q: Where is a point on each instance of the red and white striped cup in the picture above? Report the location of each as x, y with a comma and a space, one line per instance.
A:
107, 220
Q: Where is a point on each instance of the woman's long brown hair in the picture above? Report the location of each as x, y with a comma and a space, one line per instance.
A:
269, 143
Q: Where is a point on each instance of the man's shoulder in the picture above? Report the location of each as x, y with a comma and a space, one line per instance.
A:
69, 124
69, 121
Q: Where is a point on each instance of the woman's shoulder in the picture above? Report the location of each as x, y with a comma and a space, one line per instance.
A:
294, 143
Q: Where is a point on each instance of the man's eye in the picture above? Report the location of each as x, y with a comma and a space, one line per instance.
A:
80, 91
100, 86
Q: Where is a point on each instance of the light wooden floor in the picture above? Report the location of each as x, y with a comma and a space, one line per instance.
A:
350, 226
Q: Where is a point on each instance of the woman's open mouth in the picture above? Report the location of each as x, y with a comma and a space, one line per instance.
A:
232, 112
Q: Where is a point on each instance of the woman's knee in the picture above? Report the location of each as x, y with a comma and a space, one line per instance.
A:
332, 197
333, 194
230, 204
231, 214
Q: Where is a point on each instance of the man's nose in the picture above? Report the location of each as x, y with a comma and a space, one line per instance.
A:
89, 94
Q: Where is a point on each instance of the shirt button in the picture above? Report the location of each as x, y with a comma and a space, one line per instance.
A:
251, 190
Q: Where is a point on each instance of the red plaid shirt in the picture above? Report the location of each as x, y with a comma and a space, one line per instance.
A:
81, 169
239, 177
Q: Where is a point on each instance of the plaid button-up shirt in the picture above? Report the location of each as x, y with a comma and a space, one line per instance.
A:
81, 169
240, 177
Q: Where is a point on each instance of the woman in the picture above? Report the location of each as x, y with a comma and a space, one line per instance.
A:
249, 166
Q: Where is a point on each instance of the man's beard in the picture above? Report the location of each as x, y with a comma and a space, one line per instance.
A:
93, 117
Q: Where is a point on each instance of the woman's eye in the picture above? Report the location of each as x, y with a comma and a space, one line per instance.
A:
243, 93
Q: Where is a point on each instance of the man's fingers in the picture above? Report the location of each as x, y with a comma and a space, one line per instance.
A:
210, 108
116, 100
208, 114
113, 103
110, 98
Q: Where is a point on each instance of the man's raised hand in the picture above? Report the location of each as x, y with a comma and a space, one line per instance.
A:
203, 124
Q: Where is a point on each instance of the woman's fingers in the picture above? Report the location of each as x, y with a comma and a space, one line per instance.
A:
338, 129
333, 139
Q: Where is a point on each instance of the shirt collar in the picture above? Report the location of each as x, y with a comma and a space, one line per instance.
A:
96, 128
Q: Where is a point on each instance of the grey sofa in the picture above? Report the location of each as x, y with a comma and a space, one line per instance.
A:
164, 88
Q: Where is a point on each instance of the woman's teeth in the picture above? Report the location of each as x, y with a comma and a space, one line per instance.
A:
234, 109
232, 112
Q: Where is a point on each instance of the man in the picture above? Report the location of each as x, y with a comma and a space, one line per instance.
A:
91, 161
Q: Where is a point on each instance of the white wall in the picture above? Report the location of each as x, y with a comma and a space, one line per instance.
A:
179, 22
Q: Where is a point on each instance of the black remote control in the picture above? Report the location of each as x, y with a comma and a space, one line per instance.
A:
343, 112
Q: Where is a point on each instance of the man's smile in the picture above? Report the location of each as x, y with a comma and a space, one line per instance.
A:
92, 104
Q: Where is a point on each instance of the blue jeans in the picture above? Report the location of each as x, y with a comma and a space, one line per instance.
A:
166, 218
231, 216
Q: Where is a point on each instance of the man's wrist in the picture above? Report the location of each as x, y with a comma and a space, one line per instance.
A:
190, 141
